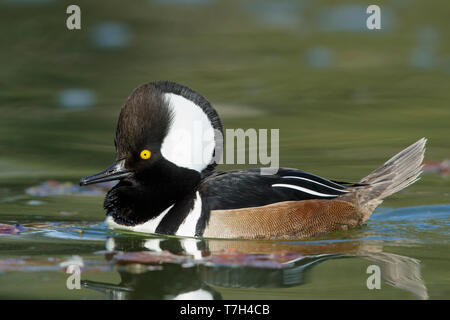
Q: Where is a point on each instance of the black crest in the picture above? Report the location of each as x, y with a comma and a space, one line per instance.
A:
144, 119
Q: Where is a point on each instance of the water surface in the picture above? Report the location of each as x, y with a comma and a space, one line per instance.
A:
344, 99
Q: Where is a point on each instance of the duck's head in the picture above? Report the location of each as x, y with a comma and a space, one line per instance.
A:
163, 125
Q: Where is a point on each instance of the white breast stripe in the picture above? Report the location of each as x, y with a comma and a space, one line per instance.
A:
294, 177
303, 190
146, 227
187, 228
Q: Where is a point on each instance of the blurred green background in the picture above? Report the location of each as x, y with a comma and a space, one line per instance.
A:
268, 64
344, 98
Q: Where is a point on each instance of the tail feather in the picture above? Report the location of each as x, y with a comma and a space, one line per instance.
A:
400, 171
397, 173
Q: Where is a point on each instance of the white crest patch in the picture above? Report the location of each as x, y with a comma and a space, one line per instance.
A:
190, 141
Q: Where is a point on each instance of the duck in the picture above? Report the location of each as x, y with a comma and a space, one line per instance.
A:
167, 182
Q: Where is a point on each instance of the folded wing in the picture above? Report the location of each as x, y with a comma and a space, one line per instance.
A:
248, 188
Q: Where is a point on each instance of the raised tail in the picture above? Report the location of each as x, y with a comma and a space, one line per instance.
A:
397, 173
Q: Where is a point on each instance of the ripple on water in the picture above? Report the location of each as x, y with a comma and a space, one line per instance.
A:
247, 263
421, 223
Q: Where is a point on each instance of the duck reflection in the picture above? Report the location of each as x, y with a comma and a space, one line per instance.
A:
187, 268
169, 282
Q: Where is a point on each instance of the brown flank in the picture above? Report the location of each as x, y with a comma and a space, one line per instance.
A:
283, 220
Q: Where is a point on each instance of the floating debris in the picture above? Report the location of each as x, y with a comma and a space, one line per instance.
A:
11, 229
52, 187
143, 261
28, 264
149, 257
233, 257
227, 257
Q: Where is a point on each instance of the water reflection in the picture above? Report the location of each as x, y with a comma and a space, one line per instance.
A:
170, 282
174, 268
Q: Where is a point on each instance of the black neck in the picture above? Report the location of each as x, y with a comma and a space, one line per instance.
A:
143, 197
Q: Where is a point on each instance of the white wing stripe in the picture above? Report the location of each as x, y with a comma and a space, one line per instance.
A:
303, 190
294, 177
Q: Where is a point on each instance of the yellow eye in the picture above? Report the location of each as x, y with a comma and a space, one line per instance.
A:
145, 154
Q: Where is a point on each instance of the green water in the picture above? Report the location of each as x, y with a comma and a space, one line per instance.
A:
341, 113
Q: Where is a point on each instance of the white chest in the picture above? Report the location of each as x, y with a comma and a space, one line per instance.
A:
186, 228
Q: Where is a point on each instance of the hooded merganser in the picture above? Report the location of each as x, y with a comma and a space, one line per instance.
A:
162, 190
